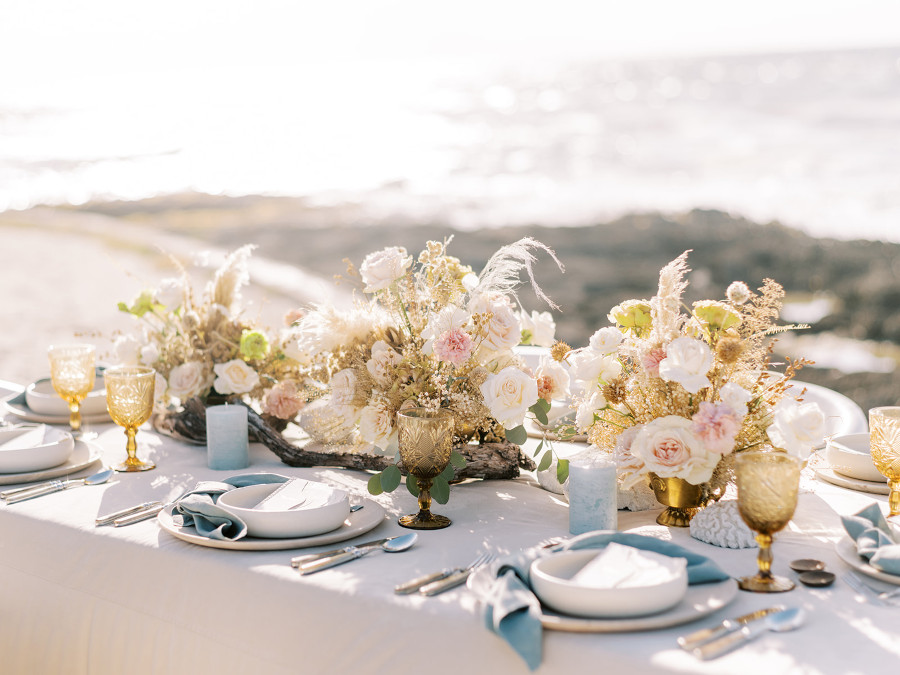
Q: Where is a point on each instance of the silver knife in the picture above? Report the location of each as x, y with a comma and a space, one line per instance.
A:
445, 584
419, 582
303, 559
694, 640
785, 620
108, 519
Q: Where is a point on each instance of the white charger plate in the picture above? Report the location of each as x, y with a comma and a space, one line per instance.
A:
83, 456
858, 484
357, 523
846, 549
18, 407
701, 600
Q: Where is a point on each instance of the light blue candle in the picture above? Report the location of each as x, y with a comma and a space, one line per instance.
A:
227, 447
592, 495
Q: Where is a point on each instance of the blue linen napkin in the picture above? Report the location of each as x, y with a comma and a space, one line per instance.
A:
198, 506
874, 540
513, 611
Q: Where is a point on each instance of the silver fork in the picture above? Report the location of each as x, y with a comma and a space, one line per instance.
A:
887, 598
420, 582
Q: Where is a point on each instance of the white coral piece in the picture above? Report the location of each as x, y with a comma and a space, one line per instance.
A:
720, 524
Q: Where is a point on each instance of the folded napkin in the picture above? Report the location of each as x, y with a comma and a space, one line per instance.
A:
874, 539
513, 611
198, 506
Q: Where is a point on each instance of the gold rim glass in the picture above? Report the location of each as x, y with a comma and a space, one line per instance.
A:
72, 373
129, 399
426, 440
767, 485
884, 440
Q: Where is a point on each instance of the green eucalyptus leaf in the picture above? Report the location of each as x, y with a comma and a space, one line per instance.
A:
390, 478
542, 405
412, 485
457, 459
440, 490
539, 448
448, 473
375, 485
545, 461
562, 470
540, 414
517, 435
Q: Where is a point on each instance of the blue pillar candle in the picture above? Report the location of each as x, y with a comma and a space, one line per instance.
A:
226, 437
592, 495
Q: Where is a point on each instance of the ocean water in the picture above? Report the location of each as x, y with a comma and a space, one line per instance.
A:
811, 139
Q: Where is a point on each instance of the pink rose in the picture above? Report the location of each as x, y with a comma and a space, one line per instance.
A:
668, 447
283, 400
453, 346
716, 426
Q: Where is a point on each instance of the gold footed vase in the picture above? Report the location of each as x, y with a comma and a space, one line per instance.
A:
682, 500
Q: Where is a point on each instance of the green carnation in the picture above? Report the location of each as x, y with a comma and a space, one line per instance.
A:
254, 344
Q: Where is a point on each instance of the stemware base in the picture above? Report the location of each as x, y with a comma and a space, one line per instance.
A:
136, 465
769, 584
424, 520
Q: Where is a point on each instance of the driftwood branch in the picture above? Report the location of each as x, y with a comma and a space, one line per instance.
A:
487, 460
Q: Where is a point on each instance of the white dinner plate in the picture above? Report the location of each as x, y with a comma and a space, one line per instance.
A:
858, 484
846, 549
17, 406
83, 456
357, 523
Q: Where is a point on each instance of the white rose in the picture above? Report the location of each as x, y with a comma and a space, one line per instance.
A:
384, 358
343, 387
170, 293
606, 340
687, 362
235, 377
188, 379
553, 379
590, 368
449, 318
126, 349
382, 268
509, 394
540, 327
160, 395
735, 397
149, 354
503, 329
667, 447
797, 427
376, 425
584, 414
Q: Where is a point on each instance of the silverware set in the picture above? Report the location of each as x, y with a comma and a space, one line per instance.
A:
31, 491
438, 582
886, 598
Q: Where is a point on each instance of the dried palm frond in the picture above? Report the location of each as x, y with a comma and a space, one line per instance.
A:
501, 273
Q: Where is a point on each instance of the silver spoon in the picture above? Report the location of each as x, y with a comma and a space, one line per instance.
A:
21, 495
394, 545
779, 622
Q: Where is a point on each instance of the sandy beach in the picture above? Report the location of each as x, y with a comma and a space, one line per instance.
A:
64, 273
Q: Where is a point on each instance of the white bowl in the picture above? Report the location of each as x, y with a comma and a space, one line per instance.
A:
551, 579
43, 399
283, 524
34, 448
850, 455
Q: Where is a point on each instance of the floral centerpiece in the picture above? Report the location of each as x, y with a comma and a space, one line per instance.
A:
429, 333
673, 393
201, 346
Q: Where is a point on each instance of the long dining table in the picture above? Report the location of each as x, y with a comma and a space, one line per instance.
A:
78, 598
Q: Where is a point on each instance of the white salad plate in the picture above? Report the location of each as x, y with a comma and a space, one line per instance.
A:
83, 456
17, 406
846, 549
356, 523
835, 478
33, 448
42, 399
851, 455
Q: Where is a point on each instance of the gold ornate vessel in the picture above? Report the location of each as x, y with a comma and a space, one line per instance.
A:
682, 499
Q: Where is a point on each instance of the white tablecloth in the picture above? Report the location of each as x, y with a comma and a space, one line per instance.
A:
80, 599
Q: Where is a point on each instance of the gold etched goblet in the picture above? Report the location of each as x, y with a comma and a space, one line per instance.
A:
884, 440
72, 374
426, 440
767, 484
129, 399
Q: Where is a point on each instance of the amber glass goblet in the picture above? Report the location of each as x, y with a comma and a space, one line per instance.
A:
72, 374
884, 440
129, 399
426, 440
767, 484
